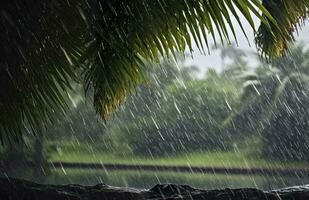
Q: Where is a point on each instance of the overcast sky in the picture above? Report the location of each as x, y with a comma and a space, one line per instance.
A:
213, 60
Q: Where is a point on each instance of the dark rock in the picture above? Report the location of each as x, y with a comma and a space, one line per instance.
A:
15, 189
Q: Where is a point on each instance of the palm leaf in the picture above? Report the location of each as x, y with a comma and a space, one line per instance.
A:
150, 29
42, 40
288, 14
35, 67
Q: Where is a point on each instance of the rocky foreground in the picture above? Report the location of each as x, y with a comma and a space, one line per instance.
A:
15, 189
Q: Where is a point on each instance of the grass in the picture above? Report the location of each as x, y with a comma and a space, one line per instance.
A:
75, 152
242, 158
141, 179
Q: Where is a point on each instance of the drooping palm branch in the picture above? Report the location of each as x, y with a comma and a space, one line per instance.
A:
46, 44
288, 14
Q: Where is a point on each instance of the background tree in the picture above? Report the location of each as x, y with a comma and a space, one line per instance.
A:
186, 116
276, 105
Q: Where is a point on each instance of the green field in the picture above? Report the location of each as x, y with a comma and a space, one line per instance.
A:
242, 158
142, 179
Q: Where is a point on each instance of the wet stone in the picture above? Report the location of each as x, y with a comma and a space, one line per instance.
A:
16, 189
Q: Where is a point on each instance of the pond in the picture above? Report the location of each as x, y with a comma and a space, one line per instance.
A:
147, 179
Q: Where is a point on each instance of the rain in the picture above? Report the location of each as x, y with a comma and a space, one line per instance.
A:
123, 94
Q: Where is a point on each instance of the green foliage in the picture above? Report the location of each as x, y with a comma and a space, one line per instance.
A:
286, 136
188, 119
289, 14
275, 104
152, 29
34, 69
45, 44
80, 123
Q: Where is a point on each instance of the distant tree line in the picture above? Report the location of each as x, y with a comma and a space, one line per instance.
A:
269, 102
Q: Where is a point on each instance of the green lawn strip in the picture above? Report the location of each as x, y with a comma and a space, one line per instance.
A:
149, 179
210, 159
142, 179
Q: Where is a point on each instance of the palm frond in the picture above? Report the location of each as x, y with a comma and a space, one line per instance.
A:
128, 33
41, 41
35, 68
289, 15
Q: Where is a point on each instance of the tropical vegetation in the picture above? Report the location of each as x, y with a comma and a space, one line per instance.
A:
235, 117
45, 45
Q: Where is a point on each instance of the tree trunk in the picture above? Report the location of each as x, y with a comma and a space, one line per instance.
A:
39, 171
